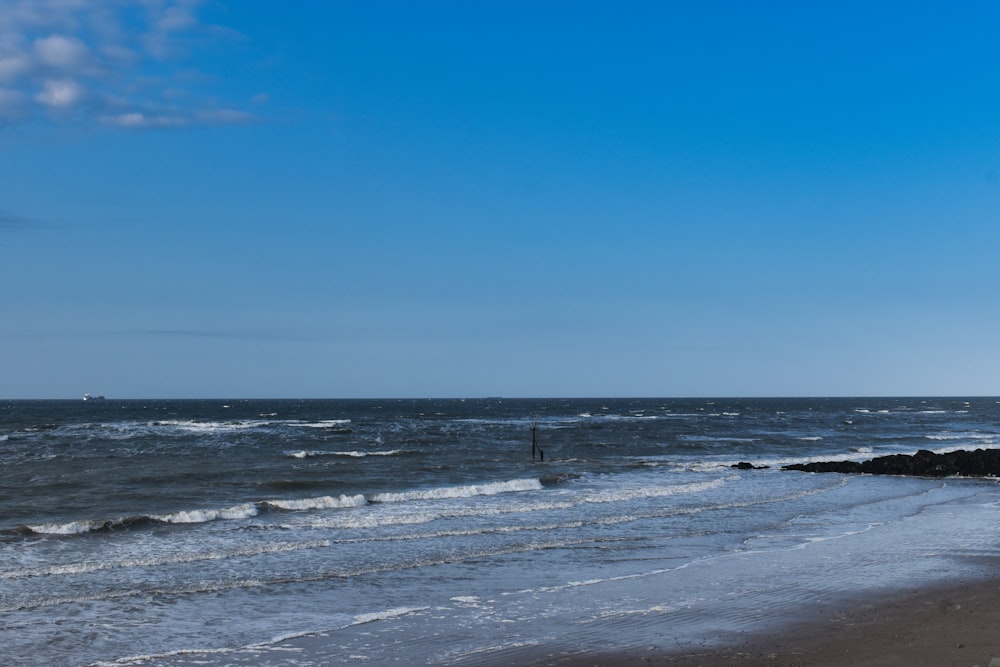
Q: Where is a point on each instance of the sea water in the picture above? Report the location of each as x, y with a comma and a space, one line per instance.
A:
381, 532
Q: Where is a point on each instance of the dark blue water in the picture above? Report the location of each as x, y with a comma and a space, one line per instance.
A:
422, 531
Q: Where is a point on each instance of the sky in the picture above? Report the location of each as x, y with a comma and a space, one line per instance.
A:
240, 198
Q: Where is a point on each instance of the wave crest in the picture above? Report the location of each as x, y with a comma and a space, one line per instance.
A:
322, 503
467, 491
305, 454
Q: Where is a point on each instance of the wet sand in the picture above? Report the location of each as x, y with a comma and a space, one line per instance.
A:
953, 626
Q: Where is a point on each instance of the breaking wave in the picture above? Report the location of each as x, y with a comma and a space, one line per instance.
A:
458, 491
305, 454
249, 510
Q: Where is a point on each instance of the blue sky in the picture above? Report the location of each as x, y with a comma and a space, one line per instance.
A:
227, 198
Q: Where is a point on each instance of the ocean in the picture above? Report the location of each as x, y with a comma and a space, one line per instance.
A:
409, 532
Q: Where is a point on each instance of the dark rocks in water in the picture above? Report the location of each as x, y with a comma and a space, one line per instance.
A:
977, 463
744, 465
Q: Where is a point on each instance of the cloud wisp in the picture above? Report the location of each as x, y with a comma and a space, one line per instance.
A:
119, 63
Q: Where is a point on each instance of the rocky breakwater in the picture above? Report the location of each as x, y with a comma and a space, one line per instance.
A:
977, 463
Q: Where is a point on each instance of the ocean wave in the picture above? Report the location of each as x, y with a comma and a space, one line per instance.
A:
632, 416
355, 521
712, 438
322, 503
396, 612
358, 619
325, 423
108, 525
196, 516
305, 453
86, 526
249, 510
128, 429
961, 436
194, 426
491, 530
621, 495
467, 491
88, 567
244, 511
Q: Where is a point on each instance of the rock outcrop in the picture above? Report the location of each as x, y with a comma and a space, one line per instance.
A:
746, 465
977, 463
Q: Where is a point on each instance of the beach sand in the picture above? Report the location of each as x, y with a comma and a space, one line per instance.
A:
953, 626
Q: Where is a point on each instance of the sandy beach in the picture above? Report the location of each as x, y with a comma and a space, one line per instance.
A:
952, 626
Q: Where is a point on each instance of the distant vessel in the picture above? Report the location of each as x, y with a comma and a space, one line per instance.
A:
93, 397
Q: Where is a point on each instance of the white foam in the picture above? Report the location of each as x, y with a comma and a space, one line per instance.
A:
87, 567
396, 612
72, 528
468, 491
236, 512
961, 436
304, 454
621, 495
354, 521
212, 426
244, 511
321, 503
326, 423
710, 438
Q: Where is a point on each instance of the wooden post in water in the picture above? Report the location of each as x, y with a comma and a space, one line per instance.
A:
534, 445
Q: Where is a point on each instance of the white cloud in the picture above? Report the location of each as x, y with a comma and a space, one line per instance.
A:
60, 52
178, 17
131, 61
137, 119
59, 93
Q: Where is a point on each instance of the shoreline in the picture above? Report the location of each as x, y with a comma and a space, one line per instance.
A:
947, 625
